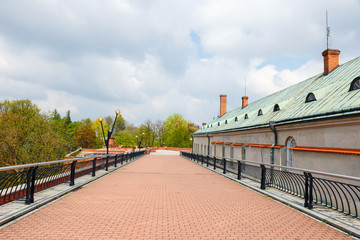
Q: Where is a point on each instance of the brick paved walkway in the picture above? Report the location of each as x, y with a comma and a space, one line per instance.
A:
166, 197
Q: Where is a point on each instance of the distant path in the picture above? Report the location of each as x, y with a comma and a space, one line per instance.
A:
166, 197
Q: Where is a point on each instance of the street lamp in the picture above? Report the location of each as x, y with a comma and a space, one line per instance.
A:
139, 142
117, 112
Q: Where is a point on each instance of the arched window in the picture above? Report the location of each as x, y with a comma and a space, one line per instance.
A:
218, 123
355, 84
276, 108
290, 143
236, 119
211, 125
260, 112
246, 116
310, 98
225, 121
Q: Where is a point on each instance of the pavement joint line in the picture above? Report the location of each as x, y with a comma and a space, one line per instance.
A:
341, 226
15, 215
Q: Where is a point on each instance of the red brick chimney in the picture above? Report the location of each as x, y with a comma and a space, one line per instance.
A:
222, 104
331, 60
203, 124
244, 101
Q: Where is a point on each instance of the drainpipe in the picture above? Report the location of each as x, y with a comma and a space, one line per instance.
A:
272, 152
208, 148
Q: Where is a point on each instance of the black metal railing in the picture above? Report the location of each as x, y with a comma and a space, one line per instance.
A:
22, 181
338, 192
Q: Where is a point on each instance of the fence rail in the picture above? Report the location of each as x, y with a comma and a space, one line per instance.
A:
22, 181
338, 192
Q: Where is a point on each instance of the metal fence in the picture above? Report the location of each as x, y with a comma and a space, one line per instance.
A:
22, 181
338, 192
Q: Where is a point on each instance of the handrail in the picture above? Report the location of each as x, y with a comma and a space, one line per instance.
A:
44, 163
293, 168
22, 181
333, 193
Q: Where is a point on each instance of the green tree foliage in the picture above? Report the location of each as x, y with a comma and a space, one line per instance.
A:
177, 131
127, 137
96, 126
26, 135
119, 124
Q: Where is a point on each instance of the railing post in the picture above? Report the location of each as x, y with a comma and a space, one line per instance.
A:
28, 185
107, 163
214, 163
94, 167
263, 177
306, 190
122, 159
115, 164
202, 159
207, 160
32, 191
224, 170
239, 170
311, 180
72, 173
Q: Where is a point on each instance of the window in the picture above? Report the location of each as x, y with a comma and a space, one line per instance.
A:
218, 123
290, 143
246, 116
355, 85
260, 112
236, 119
310, 98
225, 121
276, 108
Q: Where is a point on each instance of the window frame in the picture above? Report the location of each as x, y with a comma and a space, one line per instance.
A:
353, 84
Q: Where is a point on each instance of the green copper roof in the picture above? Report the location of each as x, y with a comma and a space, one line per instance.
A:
332, 94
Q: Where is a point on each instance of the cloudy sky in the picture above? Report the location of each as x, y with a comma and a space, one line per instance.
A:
153, 58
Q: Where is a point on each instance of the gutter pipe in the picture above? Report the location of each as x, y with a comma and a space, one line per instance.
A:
272, 152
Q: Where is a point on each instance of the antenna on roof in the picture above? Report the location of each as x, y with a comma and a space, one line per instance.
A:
327, 31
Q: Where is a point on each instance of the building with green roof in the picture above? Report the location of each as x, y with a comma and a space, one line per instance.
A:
314, 124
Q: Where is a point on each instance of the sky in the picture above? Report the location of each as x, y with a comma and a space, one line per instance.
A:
154, 58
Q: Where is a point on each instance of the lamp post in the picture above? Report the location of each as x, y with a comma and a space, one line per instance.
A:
117, 112
192, 144
139, 142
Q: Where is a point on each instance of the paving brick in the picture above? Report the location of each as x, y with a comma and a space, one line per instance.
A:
167, 197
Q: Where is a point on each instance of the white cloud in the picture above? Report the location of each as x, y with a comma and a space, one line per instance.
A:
92, 57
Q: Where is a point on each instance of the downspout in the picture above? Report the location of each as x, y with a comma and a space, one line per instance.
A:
272, 152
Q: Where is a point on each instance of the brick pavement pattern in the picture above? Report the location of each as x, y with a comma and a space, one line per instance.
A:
167, 197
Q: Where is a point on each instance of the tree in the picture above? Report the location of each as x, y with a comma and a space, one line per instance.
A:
119, 125
127, 137
26, 135
176, 131
85, 137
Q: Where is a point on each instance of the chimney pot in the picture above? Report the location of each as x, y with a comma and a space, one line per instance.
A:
223, 98
244, 101
331, 60
203, 124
